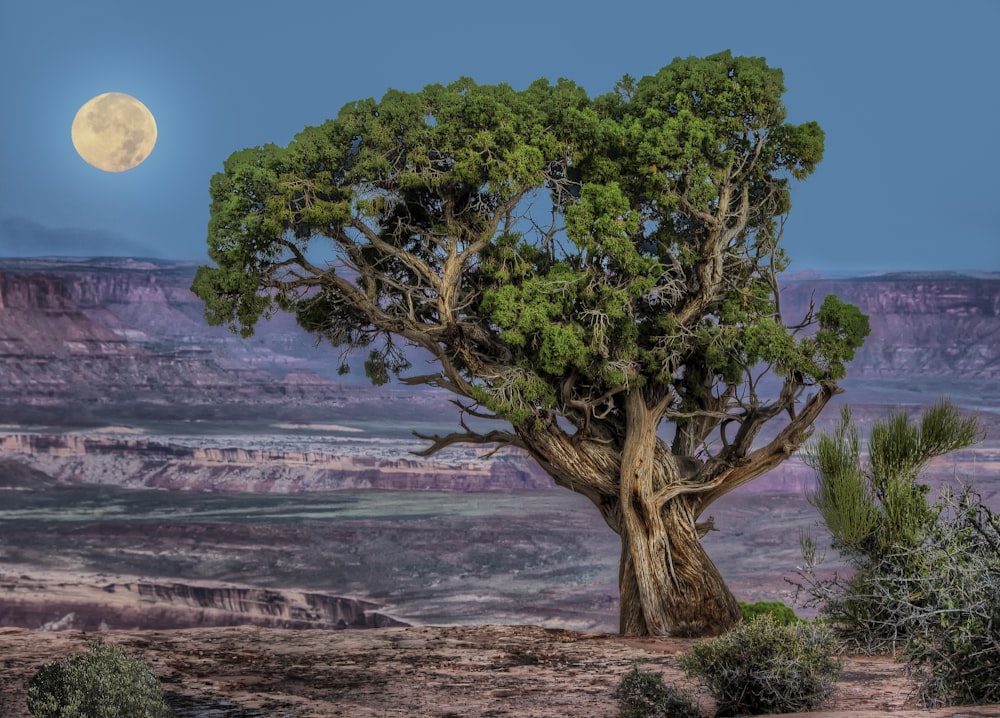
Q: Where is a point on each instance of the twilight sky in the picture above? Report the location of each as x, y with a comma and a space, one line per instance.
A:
907, 93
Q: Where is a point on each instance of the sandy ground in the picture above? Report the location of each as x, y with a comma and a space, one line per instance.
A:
453, 672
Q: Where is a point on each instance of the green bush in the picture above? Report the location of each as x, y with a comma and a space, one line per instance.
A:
643, 694
104, 683
926, 575
782, 614
952, 620
762, 667
879, 516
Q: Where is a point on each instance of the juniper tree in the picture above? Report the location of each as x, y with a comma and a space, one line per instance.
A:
599, 275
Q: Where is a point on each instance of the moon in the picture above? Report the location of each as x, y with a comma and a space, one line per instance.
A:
114, 132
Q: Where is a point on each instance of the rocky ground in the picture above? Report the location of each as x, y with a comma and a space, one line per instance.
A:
481, 671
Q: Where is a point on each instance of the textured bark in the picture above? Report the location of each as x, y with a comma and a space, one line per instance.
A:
696, 601
652, 499
669, 586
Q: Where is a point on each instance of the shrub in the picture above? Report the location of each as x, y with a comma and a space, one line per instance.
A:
643, 694
781, 613
104, 683
763, 667
953, 629
879, 515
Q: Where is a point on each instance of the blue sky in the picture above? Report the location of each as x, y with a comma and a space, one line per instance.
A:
907, 94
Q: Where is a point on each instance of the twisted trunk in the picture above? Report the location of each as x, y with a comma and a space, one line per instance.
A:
668, 583
652, 499
694, 601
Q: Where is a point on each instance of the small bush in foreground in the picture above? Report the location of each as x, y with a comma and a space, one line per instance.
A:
643, 694
782, 614
104, 683
762, 667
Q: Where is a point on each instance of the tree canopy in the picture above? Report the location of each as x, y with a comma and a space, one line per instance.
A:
562, 258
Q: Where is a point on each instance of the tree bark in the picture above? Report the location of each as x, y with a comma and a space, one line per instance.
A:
668, 584
695, 600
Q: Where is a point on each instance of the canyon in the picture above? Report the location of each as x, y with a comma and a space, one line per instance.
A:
108, 372
102, 603
122, 332
141, 447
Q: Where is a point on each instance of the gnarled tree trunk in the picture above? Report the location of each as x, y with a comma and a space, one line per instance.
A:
668, 583
684, 593
652, 500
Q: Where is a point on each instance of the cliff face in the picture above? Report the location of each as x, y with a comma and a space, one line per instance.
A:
34, 292
93, 603
85, 336
40, 320
923, 325
123, 323
73, 458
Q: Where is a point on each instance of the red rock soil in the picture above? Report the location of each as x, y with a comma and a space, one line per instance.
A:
481, 671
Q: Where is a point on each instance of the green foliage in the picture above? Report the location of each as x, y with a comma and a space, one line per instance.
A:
952, 620
104, 683
782, 614
844, 496
842, 331
643, 694
871, 508
763, 667
879, 516
420, 206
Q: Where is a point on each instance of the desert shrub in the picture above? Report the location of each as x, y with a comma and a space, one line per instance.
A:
953, 629
868, 609
104, 683
927, 576
782, 614
762, 667
879, 515
643, 694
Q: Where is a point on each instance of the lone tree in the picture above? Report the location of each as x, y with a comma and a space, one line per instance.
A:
598, 274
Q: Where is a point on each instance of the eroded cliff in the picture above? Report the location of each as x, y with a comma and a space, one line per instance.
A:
139, 463
53, 601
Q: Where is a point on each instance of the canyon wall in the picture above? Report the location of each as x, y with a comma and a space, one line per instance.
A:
53, 601
132, 313
90, 342
137, 463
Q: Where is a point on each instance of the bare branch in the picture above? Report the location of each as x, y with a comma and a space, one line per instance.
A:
503, 438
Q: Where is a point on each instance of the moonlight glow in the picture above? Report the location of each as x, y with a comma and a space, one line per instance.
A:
114, 132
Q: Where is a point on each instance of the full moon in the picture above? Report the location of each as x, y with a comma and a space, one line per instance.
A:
114, 132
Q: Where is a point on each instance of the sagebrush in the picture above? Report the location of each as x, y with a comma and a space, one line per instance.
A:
952, 620
763, 667
643, 694
104, 683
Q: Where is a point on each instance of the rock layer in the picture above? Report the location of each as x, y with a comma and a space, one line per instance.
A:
58, 602
138, 463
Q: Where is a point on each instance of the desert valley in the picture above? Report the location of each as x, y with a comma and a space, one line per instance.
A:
157, 473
